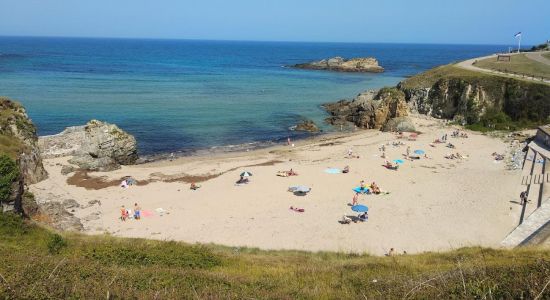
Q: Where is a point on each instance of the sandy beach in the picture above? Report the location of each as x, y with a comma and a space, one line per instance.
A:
433, 204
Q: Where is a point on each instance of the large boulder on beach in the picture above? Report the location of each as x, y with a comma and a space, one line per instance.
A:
96, 146
399, 124
369, 110
360, 64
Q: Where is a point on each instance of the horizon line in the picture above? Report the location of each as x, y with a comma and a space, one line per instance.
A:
244, 40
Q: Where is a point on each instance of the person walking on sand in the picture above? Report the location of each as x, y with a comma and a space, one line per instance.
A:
408, 151
137, 211
288, 141
355, 199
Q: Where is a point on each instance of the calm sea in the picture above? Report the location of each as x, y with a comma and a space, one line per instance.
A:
183, 95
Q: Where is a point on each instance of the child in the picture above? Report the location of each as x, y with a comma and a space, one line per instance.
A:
123, 213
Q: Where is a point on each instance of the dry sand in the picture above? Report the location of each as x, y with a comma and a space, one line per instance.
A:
435, 204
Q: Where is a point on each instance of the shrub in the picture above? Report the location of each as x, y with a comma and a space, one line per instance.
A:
9, 172
56, 243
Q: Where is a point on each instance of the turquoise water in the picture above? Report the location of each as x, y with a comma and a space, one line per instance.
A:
182, 95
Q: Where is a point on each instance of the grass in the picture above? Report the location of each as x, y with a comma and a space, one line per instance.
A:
38, 263
546, 55
519, 64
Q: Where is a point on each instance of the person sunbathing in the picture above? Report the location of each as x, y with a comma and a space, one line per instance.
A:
345, 170
363, 217
194, 186
375, 189
242, 180
292, 173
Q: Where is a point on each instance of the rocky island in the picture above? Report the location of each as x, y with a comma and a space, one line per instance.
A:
360, 65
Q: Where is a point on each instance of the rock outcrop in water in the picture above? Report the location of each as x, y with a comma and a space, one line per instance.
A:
362, 64
307, 125
18, 143
370, 110
96, 146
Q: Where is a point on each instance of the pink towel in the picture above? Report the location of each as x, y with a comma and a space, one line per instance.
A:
146, 213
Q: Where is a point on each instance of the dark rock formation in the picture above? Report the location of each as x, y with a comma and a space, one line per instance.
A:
18, 141
369, 110
97, 146
368, 64
307, 125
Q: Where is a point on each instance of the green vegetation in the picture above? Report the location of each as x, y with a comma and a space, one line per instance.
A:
37, 263
519, 64
9, 173
525, 103
13, 113
546, 55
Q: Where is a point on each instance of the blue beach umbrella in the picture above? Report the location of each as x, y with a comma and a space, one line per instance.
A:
359, 190
419, 152
398, 161
360, 208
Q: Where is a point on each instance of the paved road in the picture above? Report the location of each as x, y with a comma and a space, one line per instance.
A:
468, 65
537, 56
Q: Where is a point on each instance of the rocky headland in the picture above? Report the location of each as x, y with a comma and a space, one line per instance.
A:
361, 64
96, 146
447, 92
21, 161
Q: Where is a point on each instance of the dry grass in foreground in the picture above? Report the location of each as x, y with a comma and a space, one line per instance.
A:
38, 263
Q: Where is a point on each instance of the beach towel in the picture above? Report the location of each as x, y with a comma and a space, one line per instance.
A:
146, 213
333, 171
358, 190
161, 211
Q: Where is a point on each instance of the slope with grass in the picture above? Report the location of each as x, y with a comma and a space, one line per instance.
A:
518, 64
38, 263
471, 97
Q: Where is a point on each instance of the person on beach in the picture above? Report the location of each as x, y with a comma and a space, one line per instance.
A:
123, 213
355, 199
288, 141
391, 252
137, 211
408, 151
375, 188
523, 198
194, 186
345, 170
362, 185
350, 153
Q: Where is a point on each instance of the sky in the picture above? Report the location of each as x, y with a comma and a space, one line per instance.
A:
391, 21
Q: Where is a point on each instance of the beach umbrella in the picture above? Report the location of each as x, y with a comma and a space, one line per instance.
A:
333, 171
398, 161
360, 208
359, 190
246, 174
419, 152
299, 189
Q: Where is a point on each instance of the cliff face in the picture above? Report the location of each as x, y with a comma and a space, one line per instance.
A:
369, 110
96, 146
361, 64
18, 142
467, 96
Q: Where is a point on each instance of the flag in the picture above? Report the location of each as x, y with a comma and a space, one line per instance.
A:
517, 34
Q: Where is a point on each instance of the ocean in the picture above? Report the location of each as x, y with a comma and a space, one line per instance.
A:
187, 95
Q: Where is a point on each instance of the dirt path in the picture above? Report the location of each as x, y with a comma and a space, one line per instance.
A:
537, 56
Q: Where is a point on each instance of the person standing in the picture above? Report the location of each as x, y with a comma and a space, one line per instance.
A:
355, 199
137, 211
